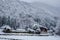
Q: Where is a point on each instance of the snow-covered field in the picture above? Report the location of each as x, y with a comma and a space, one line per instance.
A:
17, 36
29, 37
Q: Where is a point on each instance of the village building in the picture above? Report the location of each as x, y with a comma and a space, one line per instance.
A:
41, 29
6, 28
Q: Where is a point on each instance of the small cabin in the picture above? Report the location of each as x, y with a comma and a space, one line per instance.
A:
6, 29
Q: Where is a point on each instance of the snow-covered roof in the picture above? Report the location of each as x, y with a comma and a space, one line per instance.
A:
43, 26
21, 30
6, 26
39, 26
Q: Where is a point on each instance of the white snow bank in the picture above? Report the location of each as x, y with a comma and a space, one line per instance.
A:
32, 37
43, 38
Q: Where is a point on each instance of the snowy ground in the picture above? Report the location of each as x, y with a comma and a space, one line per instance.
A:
19, 37
29, 37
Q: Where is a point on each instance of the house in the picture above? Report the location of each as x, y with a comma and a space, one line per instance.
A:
40, 29
6, 28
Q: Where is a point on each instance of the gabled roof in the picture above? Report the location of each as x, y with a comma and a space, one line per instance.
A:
6, 26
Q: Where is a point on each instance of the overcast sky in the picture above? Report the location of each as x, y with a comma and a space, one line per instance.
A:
50, 2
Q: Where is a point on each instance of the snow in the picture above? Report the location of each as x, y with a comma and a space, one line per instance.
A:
29, 29
6, 26
19, 30
23, 30
32, 37
1, 31
21, 11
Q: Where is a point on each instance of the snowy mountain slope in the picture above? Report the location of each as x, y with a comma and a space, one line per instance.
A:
54, 10
24, 13
15, 7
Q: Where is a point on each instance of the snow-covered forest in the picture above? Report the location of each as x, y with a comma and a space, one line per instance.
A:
18, 14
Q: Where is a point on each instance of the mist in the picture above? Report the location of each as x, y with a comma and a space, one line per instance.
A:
55, 3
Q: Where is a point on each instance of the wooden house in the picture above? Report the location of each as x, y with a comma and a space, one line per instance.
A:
6, 29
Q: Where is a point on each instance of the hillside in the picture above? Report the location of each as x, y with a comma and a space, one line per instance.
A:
19, 14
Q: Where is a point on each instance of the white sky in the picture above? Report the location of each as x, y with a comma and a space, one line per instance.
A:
50, 2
